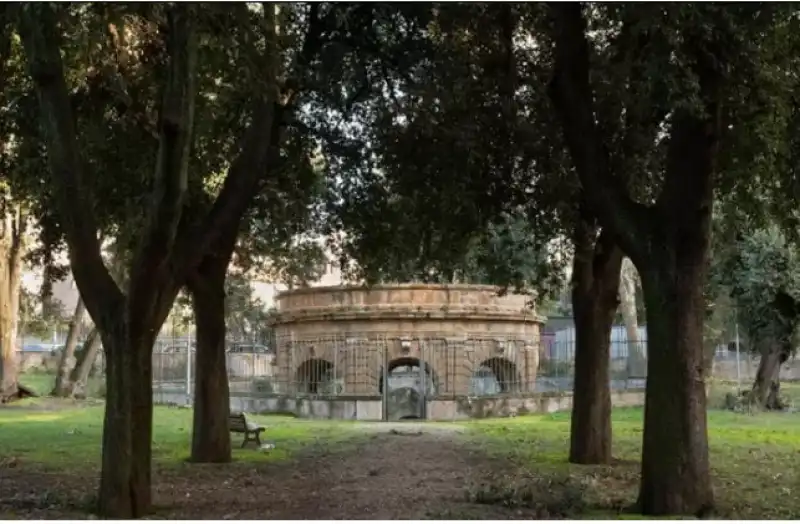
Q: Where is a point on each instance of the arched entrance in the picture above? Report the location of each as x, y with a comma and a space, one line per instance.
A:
409, 384
495, 376
315, 377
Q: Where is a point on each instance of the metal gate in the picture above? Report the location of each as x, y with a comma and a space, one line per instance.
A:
409, 378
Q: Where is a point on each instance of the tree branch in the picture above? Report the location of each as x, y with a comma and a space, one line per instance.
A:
692, 150
260, 145
572, 97
175, 139
40, 36
642, 120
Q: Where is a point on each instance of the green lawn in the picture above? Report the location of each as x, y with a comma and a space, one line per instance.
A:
755, 461
755, 458
42, 383
70, 438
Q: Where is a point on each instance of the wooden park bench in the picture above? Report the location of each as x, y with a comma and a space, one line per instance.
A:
252, 432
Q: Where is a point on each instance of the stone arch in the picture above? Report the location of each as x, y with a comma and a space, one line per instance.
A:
495, 376
405, 395
408, 368
315, 376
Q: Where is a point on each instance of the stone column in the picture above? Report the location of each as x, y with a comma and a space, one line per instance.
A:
531, 360
467, 353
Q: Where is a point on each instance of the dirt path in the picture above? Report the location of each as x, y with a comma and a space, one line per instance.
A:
390, 472
393, 472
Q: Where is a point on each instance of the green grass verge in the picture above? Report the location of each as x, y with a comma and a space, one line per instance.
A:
71, 438
755, 461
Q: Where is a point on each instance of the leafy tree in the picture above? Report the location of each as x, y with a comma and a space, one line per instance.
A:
762, 275
292, 36
246, 315
445, 199
170, 240
642, 97
37, 321
686, 83
432, 196
20, 169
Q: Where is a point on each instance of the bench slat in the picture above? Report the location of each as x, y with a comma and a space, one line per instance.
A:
238, 423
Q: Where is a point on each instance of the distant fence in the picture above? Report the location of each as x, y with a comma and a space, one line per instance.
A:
353, 365
474, 367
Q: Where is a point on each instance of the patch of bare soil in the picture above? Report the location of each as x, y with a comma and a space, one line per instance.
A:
391, 473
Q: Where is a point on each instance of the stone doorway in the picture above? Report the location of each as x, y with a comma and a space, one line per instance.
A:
410, 383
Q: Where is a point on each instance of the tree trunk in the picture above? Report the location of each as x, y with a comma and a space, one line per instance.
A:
127, 431
766, 387
167, 252
8, 362
115, 499
142, 414
627, 295
211, 441
676, 477
595, 281
668, 241
11, 250
66, 363
82, 372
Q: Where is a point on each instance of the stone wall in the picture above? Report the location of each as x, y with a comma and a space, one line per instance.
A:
371, 409
454, 329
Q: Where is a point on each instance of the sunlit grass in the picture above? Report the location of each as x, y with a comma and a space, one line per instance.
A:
72, 437
755, 458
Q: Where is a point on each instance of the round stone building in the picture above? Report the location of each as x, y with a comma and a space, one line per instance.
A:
398, 351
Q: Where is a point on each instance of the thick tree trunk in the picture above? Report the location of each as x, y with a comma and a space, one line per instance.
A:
115, 499
142, 416
676, 477
127, 431
595, 281
66, 363
766, 387
211, 441
83, 370
166, 252
668, 242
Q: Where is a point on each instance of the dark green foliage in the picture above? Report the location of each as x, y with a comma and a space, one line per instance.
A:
762, 275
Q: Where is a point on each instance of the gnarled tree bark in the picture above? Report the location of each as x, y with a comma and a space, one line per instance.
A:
595, 281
